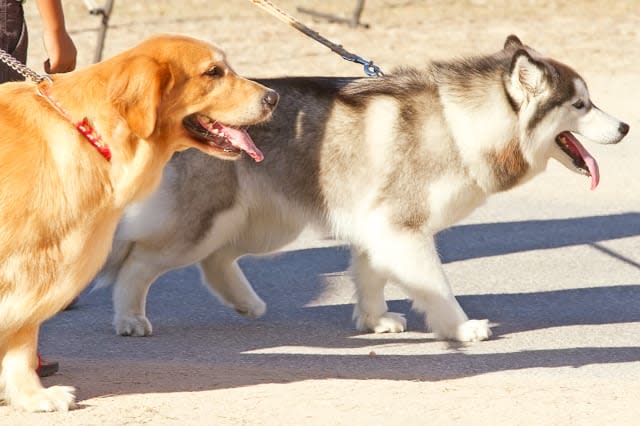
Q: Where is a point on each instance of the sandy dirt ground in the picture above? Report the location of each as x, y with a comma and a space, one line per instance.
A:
558, 267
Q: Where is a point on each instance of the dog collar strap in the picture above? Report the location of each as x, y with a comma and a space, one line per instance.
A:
84, 126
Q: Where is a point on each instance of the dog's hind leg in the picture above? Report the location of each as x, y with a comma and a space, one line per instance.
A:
130, 295
225, 279
19, 381
371, 312
412, 261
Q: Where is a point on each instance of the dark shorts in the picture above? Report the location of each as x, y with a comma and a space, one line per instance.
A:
13, 37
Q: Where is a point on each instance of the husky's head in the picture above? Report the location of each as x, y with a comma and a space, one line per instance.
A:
552, 102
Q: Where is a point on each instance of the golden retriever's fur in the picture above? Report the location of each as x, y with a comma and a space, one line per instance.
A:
60, 200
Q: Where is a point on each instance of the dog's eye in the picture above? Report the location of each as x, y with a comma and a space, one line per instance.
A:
214, 71
579, 104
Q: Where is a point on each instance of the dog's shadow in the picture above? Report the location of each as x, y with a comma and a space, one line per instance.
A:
204, 343
494, 239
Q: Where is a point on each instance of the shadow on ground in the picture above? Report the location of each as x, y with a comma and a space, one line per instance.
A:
200, 344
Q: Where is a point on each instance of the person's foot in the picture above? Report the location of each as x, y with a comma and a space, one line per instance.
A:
46, 368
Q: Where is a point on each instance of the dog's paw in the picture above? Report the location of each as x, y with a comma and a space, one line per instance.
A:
254, 309
134, 325
474, 331
55, 398
389, 322
468, 331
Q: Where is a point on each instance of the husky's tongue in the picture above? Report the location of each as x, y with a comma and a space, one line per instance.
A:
576, 147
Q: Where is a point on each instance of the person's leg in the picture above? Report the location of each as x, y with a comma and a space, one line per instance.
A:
13, 37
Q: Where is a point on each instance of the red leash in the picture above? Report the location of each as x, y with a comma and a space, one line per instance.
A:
84, 126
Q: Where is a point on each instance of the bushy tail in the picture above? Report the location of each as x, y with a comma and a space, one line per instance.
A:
108, 275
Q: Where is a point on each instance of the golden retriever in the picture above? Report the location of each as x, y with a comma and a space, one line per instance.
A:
61, 197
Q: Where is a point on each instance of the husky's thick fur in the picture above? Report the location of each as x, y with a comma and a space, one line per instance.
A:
383, 163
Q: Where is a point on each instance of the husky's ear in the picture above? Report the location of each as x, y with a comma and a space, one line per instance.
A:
135, 92
527, 73
512, 42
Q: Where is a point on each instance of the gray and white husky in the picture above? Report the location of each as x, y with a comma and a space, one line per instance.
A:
383, 163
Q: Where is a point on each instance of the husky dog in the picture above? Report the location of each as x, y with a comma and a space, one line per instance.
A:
383, 163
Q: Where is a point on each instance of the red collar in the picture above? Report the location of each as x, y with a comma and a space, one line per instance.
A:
84, 126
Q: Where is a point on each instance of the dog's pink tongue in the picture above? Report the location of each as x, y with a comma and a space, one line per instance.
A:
591, 162
241, 140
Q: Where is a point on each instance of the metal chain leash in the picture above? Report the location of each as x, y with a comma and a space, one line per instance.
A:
369, 68
21, 68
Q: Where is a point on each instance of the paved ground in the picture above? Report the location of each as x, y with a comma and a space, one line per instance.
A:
555, 266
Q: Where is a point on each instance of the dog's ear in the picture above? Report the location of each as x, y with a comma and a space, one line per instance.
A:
527, 73
512, 42
137, 90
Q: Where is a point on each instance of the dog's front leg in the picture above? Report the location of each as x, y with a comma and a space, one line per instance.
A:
371, 312
412, 261
19, 381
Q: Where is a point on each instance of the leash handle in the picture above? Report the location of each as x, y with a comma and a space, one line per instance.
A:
369, 68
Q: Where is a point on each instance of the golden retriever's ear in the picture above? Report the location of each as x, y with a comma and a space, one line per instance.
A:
136, 91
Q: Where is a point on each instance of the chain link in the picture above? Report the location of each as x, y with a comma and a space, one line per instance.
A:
21, 68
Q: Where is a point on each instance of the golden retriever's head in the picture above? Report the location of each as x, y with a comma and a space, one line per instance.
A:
182, 90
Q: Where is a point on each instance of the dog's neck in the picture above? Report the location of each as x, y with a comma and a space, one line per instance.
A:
133, 159
484, 124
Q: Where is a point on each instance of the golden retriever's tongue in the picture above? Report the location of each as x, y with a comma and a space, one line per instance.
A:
241, 140
591, 162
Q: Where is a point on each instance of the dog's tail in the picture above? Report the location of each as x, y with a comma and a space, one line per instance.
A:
108, 275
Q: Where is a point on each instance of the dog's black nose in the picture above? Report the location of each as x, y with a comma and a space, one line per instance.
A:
623, 128
271, 99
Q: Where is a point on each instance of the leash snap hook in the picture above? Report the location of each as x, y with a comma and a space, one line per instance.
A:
370, 69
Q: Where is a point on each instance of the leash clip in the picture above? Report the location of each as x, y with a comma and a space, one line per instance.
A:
370, 68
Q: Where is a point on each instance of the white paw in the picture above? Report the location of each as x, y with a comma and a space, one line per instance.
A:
132, 325
55, 398
468, 331
474, 331
253, 309
389, 322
